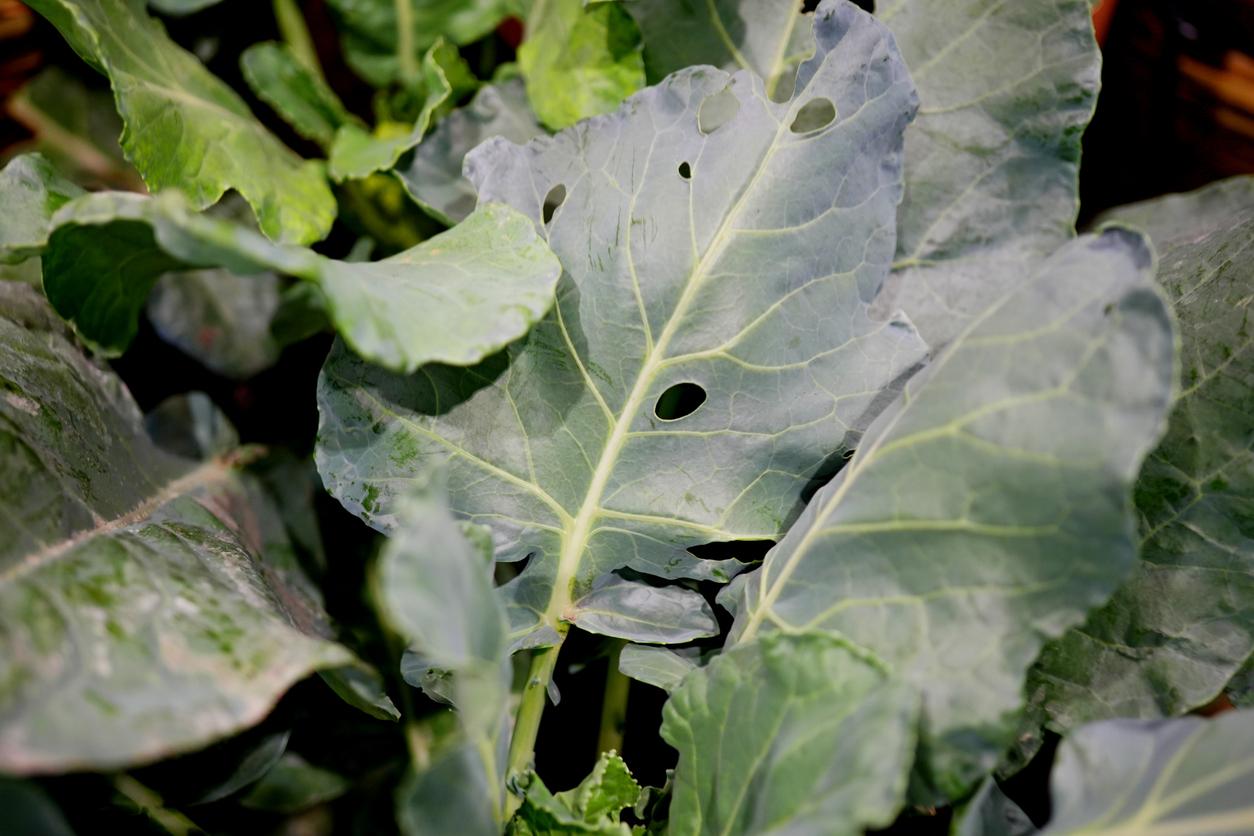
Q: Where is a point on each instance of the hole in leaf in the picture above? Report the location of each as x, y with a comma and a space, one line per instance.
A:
685, 171
679, 401
552, 200
813, 115
717, 110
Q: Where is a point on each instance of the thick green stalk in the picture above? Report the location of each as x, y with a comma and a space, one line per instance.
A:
296, 34
527, 722
614, 704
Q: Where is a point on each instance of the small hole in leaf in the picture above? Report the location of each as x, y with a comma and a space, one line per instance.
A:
717, 110
685, 171
552, 200
813, 115
679, 401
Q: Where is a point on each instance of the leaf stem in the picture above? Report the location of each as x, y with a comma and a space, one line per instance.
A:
147, 800
527, 723
614, 704
296, 35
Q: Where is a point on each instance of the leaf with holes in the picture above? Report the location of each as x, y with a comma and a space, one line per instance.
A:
1182, 626
143, 615
989, 509
689, 261
185, 129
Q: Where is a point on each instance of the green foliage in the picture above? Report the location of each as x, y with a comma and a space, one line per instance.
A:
776, 378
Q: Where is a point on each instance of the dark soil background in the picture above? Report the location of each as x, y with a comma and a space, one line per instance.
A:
1176, 112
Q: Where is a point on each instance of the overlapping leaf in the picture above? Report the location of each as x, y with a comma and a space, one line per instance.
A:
300, 96
990, 508
1158, 778
187, 130
434, 176
688, 257
992, 160
31, 191
1184, 624
453, 298
791, 734
140, 614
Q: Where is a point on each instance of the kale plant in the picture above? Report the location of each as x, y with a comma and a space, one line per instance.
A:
745, 352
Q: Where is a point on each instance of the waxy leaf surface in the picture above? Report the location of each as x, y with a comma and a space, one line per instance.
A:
184, 128
791, 734
1183, 625
453, 298
1156, 778
989, 509
992, 161
727, 277
31, 191
140, 615
434, 176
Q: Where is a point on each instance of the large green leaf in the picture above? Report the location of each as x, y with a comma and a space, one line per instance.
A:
1181, 627
992, 161
1156, 778
31, 191
434, 586
579, 60
187, 130
791, 734
688, 258
142, 616
989, 509
769, 37
453, 298
434, 176
384, 39
278, 77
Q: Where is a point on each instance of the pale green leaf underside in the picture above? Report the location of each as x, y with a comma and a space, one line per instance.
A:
278, 78
434, 176
1156, 778
725, 279
640, 612
1180, 628
990, 812
989, 508
1007, 87
140, 618
31, 192
789, 734
453, 298
769, 37
658, 666
185, 129
579, 60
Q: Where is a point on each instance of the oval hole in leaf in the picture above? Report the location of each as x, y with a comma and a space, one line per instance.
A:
552, 200
717, 110
679, 401
813, 115
685, 170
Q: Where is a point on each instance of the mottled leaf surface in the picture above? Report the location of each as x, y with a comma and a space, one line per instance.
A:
1183, 625
31, 192
184, 128
1155, 778
790, 734
141, 615
434, 176
993, 158
723, 278
453, 298
769, 37
579, 60
989, 509
278, 78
